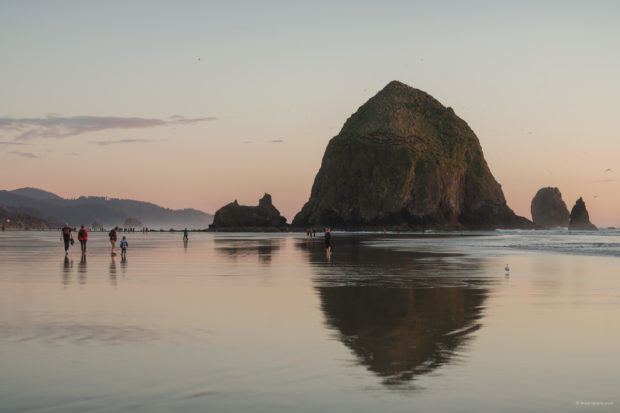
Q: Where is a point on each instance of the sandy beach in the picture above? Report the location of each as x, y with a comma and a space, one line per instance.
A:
229, 322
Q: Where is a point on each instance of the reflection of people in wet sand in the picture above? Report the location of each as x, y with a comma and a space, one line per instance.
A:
328, 241
82, 270
124, 245
112, 236
67, 267
67, 237
83, 267
67, 264
113, 271
185, 235
83, 238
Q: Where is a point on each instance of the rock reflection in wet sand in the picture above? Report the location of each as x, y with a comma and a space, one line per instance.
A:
401, 314
236, 248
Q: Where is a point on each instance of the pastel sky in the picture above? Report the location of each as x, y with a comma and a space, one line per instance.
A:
195, 104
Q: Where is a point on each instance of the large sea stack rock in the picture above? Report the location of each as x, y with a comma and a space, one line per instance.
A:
235, 217
548, 209
579, 217
403, 159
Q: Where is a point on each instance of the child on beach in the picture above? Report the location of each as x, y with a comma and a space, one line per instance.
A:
124, 245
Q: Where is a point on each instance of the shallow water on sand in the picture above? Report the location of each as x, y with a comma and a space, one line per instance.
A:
265, 322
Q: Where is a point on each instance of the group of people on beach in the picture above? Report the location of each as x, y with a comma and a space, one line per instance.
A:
67, 237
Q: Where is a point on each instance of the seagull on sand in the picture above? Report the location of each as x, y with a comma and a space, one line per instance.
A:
507, 269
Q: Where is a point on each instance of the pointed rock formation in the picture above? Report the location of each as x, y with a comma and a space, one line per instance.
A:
548, 209
235, 217
403, 159
579, 217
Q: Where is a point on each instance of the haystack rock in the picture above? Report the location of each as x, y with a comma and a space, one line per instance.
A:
403, 159
548, 209
579, 217
235, 217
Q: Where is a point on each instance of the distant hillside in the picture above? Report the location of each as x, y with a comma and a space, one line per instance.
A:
39, 194
22, 220
108, 211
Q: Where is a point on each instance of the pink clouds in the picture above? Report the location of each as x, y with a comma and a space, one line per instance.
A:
25, 129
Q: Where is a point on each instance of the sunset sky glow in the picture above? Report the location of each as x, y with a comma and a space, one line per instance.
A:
196, 104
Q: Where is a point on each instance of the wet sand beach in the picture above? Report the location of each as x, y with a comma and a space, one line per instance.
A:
265, 322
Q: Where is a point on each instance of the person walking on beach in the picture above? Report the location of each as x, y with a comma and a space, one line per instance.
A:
66, 236
83, 237
185, 235
328, 242
124, 245
112, 236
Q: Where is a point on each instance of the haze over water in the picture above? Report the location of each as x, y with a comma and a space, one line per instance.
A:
264, 322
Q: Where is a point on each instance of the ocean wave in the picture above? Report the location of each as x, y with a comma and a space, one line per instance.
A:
592, 243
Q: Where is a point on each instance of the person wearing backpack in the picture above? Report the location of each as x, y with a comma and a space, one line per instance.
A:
83, 237
112, 236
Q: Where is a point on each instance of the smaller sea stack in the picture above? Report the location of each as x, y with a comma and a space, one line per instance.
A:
548, 209
235, 217
579, 217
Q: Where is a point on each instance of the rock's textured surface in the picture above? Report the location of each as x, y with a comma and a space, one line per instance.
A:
405, 159
548, 209
235, 217
579, 217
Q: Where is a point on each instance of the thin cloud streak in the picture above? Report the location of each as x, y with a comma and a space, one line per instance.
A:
106, 143
26, 129
24, 154
12, 144
269, 141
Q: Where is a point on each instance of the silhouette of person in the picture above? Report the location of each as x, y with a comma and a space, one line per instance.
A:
328, 242
112, 236
66, 236
83, 238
